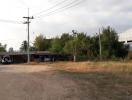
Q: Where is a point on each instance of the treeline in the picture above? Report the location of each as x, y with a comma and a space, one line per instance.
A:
83, 46
2, 48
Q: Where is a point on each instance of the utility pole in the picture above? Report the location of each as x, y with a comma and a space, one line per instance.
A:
100, 46
75, 46
28, 23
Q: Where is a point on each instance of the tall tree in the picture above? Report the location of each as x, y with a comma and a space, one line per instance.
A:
56, 45
2, 48
111, 47
32, 48
94, 47
65, 37
78, 46
11, 49
24, 46
41, 43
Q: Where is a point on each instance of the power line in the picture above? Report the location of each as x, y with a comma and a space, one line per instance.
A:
68, 6
10, 21
51, 7
74, 1
23, 3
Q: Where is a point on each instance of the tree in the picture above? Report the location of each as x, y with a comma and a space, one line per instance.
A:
41, 43
81, 45
111, 47
56, 45
93, 51
68, 48
2, 48
32, 48
11, 49
65, 37
24, 46
78, 45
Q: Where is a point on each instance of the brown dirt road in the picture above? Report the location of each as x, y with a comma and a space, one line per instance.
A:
35, 82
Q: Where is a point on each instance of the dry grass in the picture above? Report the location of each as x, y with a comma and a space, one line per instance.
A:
110, 66
100, 80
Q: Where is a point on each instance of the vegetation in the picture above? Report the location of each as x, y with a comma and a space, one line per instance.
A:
80, 45
100, 80
24, 46
84, 46
2, 48
41, 43
11, 49
111, 48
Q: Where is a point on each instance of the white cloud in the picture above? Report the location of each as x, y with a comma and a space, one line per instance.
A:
87, 17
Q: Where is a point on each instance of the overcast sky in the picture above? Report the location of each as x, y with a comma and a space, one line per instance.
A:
87, 17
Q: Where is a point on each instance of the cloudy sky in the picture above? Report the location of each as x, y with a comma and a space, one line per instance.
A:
53, 17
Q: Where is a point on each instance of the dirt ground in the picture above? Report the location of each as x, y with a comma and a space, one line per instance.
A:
67, 81
36, 82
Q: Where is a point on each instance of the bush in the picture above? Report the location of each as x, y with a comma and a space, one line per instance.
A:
129, 55
82, 58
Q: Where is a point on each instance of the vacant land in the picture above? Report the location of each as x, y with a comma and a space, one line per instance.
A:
35, 82
67, 81
100, 80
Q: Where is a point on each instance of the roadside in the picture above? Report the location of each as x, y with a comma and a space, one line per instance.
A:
67, 81
36, 82
100, 80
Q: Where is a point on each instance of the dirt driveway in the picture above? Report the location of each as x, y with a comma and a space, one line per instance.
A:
35, 82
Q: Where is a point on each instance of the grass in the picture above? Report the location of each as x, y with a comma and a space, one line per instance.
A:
110, 66
116, 66
102, 86
100, 80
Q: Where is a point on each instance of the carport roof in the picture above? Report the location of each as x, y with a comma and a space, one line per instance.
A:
24, 53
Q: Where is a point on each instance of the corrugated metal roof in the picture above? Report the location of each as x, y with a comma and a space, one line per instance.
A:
25, 53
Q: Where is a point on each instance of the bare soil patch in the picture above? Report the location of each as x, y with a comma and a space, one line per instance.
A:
36, 82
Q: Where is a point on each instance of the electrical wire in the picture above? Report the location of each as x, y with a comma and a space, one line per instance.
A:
54, 6
11, 21
24, 3
68, 6
74, 1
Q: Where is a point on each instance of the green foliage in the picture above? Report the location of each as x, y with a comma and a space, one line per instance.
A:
64, 38
80, 43
24, 46
11, 49
68, 48
32, 48
93, 51
111, 47
129, 55
41, 43
56, 45
2, 48
83, 46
